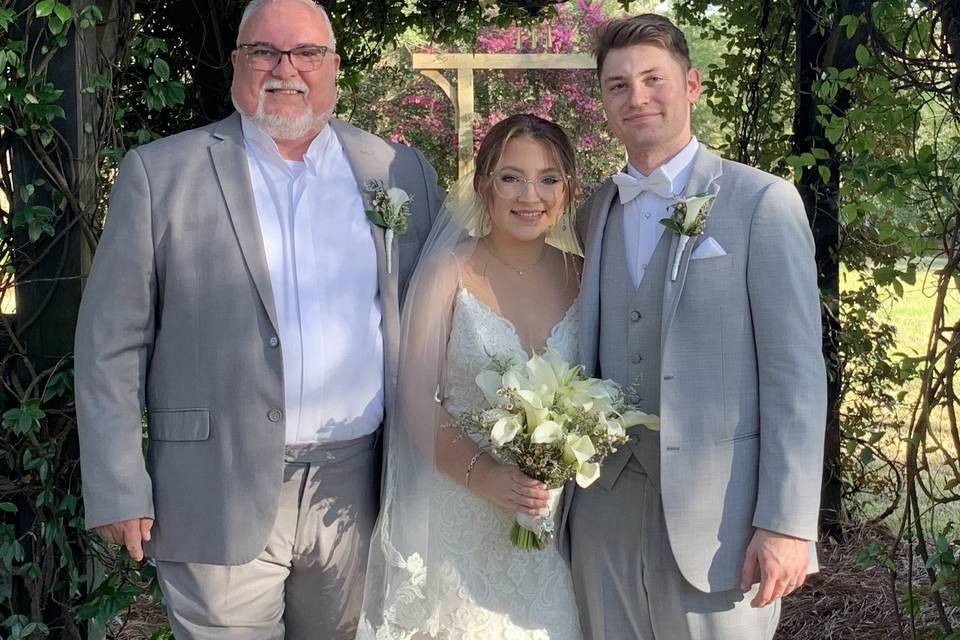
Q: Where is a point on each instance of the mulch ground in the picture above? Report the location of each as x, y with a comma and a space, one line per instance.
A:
843, 602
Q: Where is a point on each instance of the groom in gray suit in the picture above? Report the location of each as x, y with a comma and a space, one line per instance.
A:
244, 306
697, 531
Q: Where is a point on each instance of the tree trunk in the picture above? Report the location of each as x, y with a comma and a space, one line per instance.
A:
816, 52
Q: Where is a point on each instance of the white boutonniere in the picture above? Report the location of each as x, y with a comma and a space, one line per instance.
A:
689, 220
391, 212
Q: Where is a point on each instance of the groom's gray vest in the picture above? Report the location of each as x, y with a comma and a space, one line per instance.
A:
629, 346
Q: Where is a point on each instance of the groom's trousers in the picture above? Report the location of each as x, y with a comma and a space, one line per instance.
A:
627, 582
308, 581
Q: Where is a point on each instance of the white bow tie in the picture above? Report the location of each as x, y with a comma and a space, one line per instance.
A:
657, 183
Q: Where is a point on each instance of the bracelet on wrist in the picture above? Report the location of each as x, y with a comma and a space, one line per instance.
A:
470, 466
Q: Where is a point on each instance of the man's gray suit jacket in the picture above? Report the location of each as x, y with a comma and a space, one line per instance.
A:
743, 383
178, 324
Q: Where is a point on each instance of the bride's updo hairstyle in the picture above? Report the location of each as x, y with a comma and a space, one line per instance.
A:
531, 127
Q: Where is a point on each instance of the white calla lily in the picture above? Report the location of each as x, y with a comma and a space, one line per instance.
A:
612, 425
512, 379
541, 379
505, 430
634, 418
490, 383
588, 474
577, 450
397, 197
694, 206
547, 433
564, 373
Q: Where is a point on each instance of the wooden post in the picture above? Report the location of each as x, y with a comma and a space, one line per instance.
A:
465, 120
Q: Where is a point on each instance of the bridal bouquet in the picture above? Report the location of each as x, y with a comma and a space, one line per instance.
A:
555, 424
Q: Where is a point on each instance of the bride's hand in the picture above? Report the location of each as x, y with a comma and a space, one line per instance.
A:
508, 487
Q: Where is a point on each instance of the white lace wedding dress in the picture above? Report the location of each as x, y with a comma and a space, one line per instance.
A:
487, 589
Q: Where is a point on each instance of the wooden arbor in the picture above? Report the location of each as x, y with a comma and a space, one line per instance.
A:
432, 66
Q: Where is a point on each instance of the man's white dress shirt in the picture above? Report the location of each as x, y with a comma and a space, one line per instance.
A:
642, 215
323, 271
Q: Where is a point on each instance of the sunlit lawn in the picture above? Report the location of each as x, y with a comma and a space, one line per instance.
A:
912, 315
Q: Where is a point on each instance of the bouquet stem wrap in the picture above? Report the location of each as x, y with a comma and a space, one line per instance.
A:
531, 533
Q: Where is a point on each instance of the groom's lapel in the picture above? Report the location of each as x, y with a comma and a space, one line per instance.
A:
590, 287
707, 168
233, 174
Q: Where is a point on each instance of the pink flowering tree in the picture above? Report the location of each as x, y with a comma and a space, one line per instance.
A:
402, 105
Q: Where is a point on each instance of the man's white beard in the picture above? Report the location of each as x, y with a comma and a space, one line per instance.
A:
283, 127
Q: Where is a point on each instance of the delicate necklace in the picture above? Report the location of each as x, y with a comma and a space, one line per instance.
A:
519, 270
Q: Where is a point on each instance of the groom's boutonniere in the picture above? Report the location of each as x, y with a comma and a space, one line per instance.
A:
689, 220
391, 212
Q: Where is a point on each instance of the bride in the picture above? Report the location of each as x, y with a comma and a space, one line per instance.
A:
491, 288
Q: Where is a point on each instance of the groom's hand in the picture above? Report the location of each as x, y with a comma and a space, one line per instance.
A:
129, 533
781, 561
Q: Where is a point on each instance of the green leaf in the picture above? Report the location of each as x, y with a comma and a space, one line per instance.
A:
45, 8
161, 68
862, 54
9, 507
55, 24
820, 154
63, 12
6, 17
852, 26
824, 173
377, 219
26, 192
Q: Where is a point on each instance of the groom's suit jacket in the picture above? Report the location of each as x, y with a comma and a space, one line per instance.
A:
742, 380
178, 327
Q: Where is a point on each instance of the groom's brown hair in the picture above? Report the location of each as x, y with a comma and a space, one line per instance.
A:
646, 28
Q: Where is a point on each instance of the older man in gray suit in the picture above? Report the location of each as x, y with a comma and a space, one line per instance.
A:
243, 302
720, 336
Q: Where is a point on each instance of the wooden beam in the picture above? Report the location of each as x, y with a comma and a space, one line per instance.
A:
431, 65
440, 81
503, 61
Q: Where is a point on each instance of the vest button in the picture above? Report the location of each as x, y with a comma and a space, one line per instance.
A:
637, 359
635, 315
274, 342
274, 415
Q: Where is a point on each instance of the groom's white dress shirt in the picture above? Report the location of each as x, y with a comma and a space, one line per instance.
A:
323, 271
642, 214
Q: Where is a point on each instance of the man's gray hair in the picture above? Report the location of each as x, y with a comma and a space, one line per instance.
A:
253, 5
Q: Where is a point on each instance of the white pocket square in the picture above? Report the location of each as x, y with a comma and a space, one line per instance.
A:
708, 248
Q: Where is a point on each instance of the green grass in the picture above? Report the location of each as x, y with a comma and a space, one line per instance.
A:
912, 315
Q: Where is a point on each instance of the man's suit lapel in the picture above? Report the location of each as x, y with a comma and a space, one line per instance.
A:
368, 168
590, 286
230, 162
706, 170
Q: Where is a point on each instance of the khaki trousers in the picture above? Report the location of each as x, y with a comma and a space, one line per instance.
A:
627, 583
308, 581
